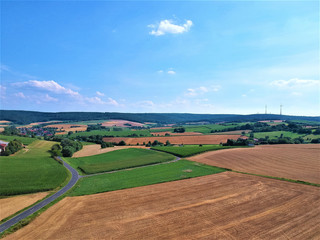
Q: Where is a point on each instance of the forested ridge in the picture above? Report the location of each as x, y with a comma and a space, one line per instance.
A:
26, 117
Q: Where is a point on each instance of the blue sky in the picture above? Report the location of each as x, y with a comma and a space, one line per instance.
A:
197, 57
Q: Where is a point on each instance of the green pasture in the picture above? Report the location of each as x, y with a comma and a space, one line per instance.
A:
24, 140
276, 134
205, 129
142, 176
189, 150
31, 170
119, 159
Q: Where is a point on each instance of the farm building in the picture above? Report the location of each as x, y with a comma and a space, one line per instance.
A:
3, 145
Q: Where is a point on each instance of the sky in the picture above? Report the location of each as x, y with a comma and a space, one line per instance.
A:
217, 57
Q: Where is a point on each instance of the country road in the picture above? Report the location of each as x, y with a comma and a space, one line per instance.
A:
28, 212
74, 179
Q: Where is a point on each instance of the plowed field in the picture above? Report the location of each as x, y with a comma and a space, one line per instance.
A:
222, 206
175, 134
121, 123
68, 127
294, 161
11, 205
198, 139
95, 149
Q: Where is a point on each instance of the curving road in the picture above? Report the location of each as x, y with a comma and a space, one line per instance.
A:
28, 212
74, 179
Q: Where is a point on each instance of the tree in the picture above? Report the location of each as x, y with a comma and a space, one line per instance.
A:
122, 143
179, 130
168, 143
67, 151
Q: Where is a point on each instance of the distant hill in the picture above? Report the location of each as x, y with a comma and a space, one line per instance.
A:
26, 117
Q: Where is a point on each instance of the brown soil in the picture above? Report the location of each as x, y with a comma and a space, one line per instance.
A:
11, 205
175, 134
298, 162
201, 139
221, 206
4, 121
68, 127
121, 123
95, 149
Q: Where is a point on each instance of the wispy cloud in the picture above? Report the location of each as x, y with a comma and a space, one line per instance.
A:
191, 92
100, 94
2, 91
296, 83
48, 98
171, 72
168, 27
20, 95
50, 86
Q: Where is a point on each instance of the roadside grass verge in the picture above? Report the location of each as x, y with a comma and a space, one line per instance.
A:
190, 150
31, 171
182, 169
120, 159
24, 140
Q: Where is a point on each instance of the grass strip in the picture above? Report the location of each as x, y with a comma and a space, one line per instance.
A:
190, 150
281, 179
182, 169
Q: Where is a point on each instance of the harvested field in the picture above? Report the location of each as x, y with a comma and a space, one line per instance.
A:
90, 150
175, 134
221, 206
12, 205
121, 123
293, 161
201, 139
1, 129
65, 128
159, 128
4, 121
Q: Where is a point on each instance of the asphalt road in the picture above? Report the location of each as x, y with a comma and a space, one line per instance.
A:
28, 212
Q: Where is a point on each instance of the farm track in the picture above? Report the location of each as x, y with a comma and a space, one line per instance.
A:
294, 161
227, 205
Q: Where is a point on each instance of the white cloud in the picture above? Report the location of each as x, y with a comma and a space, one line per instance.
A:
296, 83
244, 95
113, 102
167, 26
48, 98
160, 71
20, 95
201, 90
51, 86
95, 100
171, 72
100, 94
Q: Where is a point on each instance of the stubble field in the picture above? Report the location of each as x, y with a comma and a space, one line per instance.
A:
293, 161
222, 206
198, 139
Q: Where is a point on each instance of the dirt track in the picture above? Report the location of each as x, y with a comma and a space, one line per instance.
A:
11, 205
293, 161
221, 206
201, 139
95, 149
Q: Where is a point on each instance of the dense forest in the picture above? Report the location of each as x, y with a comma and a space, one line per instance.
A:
26, 117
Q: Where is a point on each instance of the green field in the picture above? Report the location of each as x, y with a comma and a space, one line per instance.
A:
205, 129
123, 133
30, 171
189, 150
276, 134
120, 159
24, 140
142, 176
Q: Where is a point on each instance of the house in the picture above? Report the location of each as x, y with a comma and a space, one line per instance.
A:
3, 145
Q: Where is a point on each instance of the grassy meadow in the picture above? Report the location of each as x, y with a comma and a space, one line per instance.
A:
30, 171
189, 150
120, 159
182, 169
24, 140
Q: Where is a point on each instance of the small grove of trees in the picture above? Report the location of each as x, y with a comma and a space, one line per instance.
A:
56, 150
106, 144
238, 142
9, 131
179, 130
13, 147
69, 147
